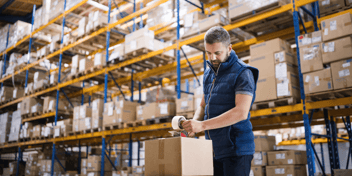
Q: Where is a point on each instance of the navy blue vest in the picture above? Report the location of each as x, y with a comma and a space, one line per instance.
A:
220, 96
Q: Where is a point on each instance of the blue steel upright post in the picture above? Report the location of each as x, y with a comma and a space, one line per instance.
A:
58, 90
310, 154
105, 89
178, 67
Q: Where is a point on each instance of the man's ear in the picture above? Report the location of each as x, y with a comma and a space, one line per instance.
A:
230, 47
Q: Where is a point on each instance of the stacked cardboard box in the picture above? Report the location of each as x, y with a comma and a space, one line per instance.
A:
336, 49
94, 165
118, 53
49, 105
326, 7
5, 125
31, 105
100, 59
17, 31
32, 168
3, 38
286, 162
160, 159
6, 93
156, 110
95, 21
277, 70
85, 64
18, 92
13, 168
63, 127
15, 126
75, 63
263, 144
186, 106
82, 117
26, 131
97, 113
37, 131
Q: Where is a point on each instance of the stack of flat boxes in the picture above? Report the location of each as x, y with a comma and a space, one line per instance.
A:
18, 92
40, 80
97, 113
5, 125
156, 110
31, 105
263, 144
82, 117
335, 50
75, 64
32, 168
94, 165
13, 168
15, 126
283, 163
49, 105
278, 73
6, 93
118, 111
63, 127
44, 160
26, 130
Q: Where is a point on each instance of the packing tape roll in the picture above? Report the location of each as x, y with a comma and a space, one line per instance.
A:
176, 122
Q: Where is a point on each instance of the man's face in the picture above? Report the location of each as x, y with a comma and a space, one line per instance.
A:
217, 53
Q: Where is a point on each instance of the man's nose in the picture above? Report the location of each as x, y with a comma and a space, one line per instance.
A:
213, 57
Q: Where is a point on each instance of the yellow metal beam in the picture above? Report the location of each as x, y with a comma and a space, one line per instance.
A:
303, 141
43, 116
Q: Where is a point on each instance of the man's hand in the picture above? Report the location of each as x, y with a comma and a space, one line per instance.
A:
193, 126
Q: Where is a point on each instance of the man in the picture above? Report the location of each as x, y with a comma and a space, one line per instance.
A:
229, 90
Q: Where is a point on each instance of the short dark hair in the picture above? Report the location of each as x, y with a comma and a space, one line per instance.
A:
217, 34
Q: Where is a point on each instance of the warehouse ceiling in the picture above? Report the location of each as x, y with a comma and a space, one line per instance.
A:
13, 10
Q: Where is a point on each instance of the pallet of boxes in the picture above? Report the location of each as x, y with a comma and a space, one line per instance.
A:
278, 82
326, 59
268, 162
92, 165
5, 126
31, 107
119, 113
160, 107
82, 118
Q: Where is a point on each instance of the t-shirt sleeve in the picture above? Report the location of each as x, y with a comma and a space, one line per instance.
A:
245, 83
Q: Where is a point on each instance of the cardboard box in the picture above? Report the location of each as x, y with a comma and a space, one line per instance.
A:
147, 111
288, 87
287, 157
237, 9
126, 114
185, 104
270, 47
257, 171
49, 105
265, 64
348, 2
85, 64
143, 42
76, 110
310, 38
284, 170
283, 56
6, 93
76, 126
342, 172
28, 103
166, 109
41, 84
98, 107
266, 89
340, 72
259, 159
109, 115
85, 111
330, 5
317, 81
311, 58
18, 92
94, 163
139, 34
138, 169
337, 49
336, 27
39, 76
205, 24
100, 59
119, 52
194, 157
82, 124
283, 69
264, 143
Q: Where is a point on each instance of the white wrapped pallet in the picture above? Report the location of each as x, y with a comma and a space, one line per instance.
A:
5, 125
15, 126
17, 31
3, 37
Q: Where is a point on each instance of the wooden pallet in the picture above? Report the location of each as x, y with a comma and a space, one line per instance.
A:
35, 114
93, 69
25, 139
37, 138
328, 95
153, 121
275, 103
341, 135
74, 133
335, 11
113, 126
261, 10
93, 130
187, 115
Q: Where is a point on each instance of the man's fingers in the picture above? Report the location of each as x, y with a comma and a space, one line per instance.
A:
191, 134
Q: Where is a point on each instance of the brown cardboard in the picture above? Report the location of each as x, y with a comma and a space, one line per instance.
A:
39, 76
311, 58
341, 74
336, 27
126, 114
6, 93
205, 24
94, 163
337, 50
348, 2
342, 172
18, 92
109, 115
76, 126
331, 5
124, 103
270, 47
85, 64
49, 105
185, 104
138, 34
257, 171
98, 107
27, 104
266, 89
85, 111
317, 81
40, 84
143, 42
282, 69
283, 56
284, 170
259, 159
193, 157
264, 143
287, 157
166, 109
288, 86
310, 38
265, 64
147, 111
138, 169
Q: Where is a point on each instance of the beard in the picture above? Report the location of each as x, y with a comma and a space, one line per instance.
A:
216, 63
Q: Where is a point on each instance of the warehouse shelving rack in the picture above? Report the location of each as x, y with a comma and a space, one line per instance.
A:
162, 129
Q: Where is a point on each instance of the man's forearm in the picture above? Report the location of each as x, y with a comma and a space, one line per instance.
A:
228, 118
199, 114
